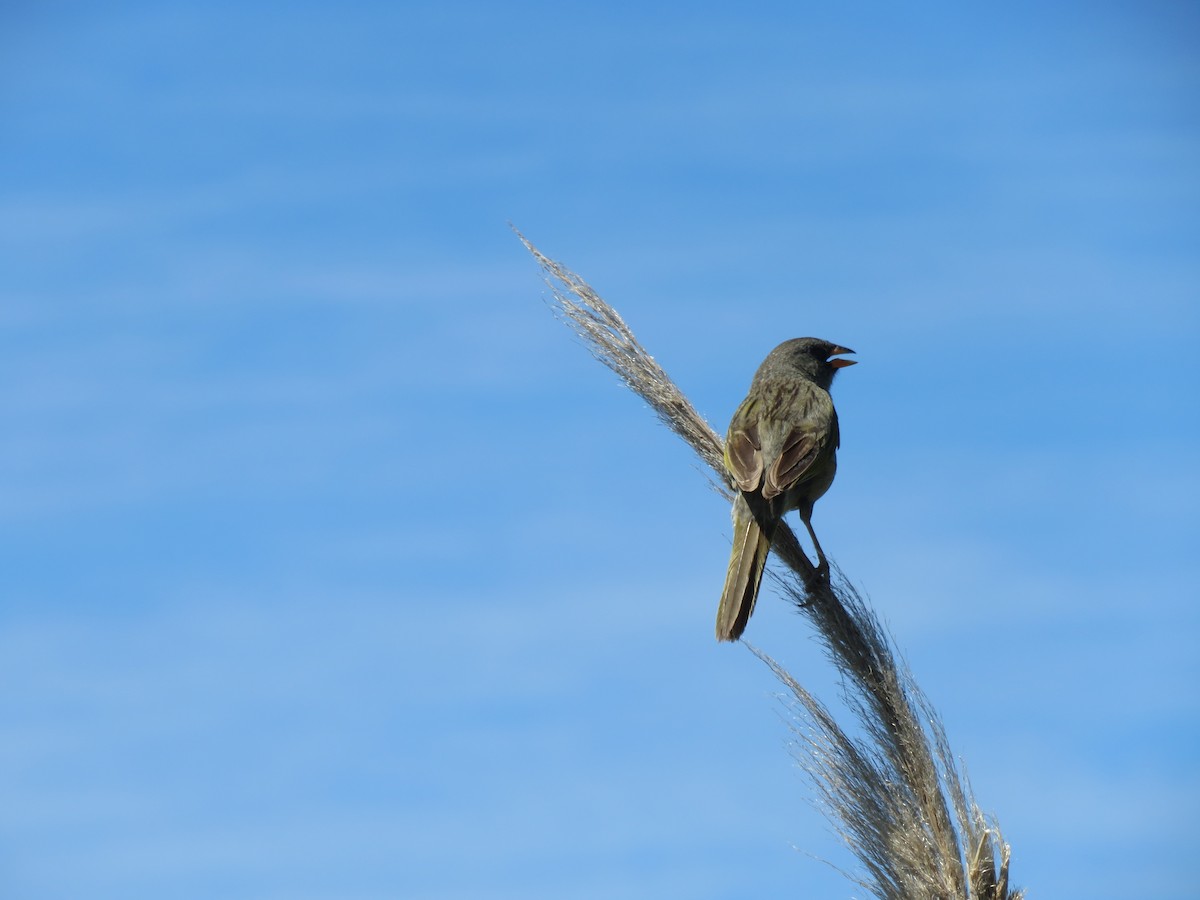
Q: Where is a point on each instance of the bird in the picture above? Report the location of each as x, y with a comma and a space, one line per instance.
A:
781, 455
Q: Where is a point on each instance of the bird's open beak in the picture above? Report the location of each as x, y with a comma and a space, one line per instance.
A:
841, 363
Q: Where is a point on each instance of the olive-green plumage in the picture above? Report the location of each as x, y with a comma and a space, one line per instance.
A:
781, 453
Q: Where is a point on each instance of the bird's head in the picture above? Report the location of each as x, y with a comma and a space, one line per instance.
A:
817, 359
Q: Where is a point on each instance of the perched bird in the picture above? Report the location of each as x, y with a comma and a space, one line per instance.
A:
781, 453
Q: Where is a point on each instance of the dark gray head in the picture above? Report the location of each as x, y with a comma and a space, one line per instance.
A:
811, 357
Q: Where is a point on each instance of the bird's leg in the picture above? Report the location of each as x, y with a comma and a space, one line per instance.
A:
822, 562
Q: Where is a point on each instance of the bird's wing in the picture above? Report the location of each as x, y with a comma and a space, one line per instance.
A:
743, 456
801, 447
807, 429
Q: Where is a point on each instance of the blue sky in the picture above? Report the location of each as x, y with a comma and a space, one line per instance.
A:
332, 567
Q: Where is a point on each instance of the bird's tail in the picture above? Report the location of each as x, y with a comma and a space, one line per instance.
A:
746, 564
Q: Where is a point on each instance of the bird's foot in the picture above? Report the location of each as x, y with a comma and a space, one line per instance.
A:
823, 569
